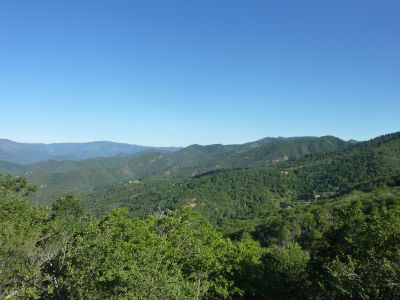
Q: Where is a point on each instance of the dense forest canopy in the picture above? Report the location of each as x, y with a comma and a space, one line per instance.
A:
320, 226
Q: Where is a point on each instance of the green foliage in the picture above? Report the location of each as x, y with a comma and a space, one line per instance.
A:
284, 272
319, 227
359, 256
167, 256
18, 185
225, 198
64, 253
21, 227
347, 248
67, 207
353, 244
237, 200
362, 166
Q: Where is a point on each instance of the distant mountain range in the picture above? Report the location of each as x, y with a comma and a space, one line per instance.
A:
27, 153
70, 175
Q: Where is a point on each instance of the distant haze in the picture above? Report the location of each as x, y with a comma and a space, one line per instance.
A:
28, 153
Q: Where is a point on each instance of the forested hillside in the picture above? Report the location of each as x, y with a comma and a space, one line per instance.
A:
342, 249
240, 195
319, 226
57, 177
258, 154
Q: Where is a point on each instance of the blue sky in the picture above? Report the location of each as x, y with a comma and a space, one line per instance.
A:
198, 71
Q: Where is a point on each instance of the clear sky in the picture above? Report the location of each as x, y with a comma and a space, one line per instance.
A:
198, 71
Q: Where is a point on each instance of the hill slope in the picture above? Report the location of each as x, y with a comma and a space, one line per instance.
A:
63, 176
238, 195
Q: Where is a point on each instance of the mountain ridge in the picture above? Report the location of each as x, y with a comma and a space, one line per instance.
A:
243, 192
30, 153
72, 176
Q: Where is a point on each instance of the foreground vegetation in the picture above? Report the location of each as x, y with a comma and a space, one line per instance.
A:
332, 250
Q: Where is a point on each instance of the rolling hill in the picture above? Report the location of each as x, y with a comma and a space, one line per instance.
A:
237, 195
313, 198
58, 177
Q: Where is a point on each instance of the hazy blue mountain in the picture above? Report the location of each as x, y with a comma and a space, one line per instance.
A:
27, 153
